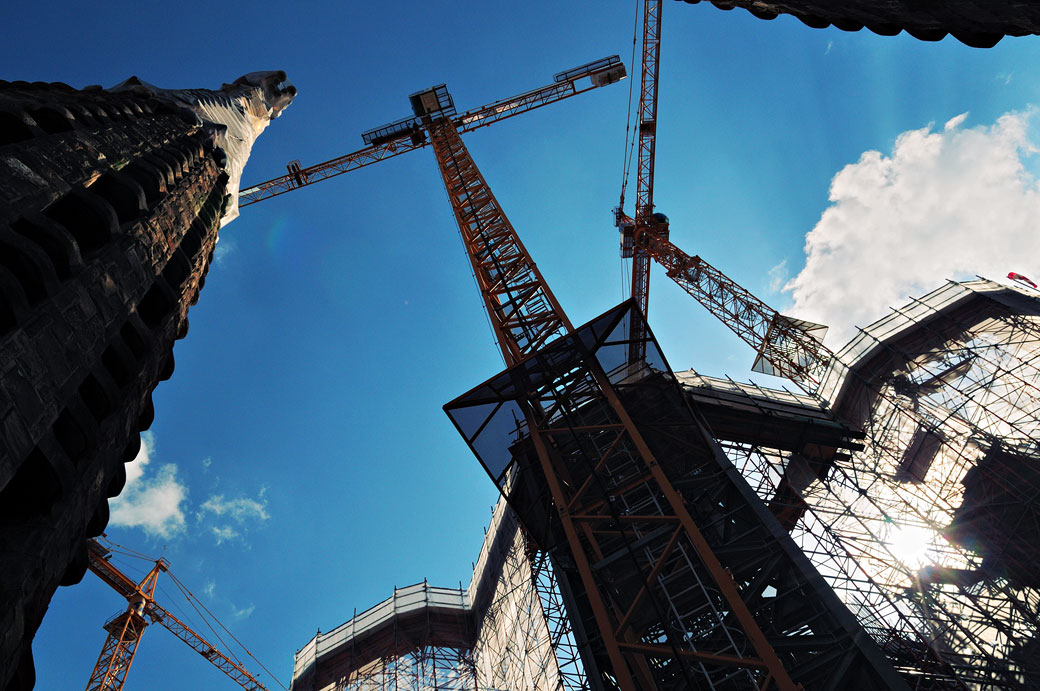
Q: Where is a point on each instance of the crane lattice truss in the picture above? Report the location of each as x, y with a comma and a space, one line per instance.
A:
679, 573
647, 138
407, 134
125, 629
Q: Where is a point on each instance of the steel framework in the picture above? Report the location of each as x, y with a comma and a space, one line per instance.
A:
929, 532
491, 635
662, 604
126, 629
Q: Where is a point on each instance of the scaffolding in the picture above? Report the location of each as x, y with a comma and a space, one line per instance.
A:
910, 484
504, 631
929, 532
703, 583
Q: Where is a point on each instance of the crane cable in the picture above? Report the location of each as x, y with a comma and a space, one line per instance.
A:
193, 600
190, 597
123, 549
115, 547
630, 146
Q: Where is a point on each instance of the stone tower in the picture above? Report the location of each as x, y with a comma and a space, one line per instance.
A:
110, 204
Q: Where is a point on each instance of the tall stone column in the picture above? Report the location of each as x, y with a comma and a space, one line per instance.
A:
110, 204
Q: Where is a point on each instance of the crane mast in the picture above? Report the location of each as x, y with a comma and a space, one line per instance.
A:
526, 317
785, 346
644, 219
524, 313
125, 630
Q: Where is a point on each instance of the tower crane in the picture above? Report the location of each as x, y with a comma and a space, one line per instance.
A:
125, 629
525, 316
785, 346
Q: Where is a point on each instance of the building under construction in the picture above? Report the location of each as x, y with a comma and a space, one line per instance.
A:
658, 530
909, 485
110, 205
665, 530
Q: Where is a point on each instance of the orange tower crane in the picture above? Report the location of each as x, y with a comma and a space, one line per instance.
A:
631, 536
525, 316
785, 346
125, 629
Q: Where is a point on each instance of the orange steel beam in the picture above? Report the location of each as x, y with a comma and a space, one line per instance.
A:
125, 630
525, 316
468, 121
524, 312
117, 654
794, 353
647, 146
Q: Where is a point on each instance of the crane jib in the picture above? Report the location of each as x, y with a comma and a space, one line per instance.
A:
407, 133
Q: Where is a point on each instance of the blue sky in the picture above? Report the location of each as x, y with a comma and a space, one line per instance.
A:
300, 451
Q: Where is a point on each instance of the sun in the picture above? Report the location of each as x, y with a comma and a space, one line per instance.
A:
912, 545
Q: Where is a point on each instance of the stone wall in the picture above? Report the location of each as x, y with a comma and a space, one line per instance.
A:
109, 209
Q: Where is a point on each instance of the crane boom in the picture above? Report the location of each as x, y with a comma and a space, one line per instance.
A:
125, 629
785, 343
565, 84
203, 647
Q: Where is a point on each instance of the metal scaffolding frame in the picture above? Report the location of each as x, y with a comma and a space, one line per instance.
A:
945, 390
504, 631
676, 546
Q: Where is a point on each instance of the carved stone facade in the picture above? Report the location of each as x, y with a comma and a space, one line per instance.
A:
110, 203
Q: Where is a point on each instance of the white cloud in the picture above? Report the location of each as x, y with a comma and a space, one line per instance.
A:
955, 122
240, 509
778, 276
949, 204
231, 517
152, 498
223, 533
830, 44
223, 248
243, 612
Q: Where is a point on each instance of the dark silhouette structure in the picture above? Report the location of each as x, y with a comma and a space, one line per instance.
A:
110, 203
977, 24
